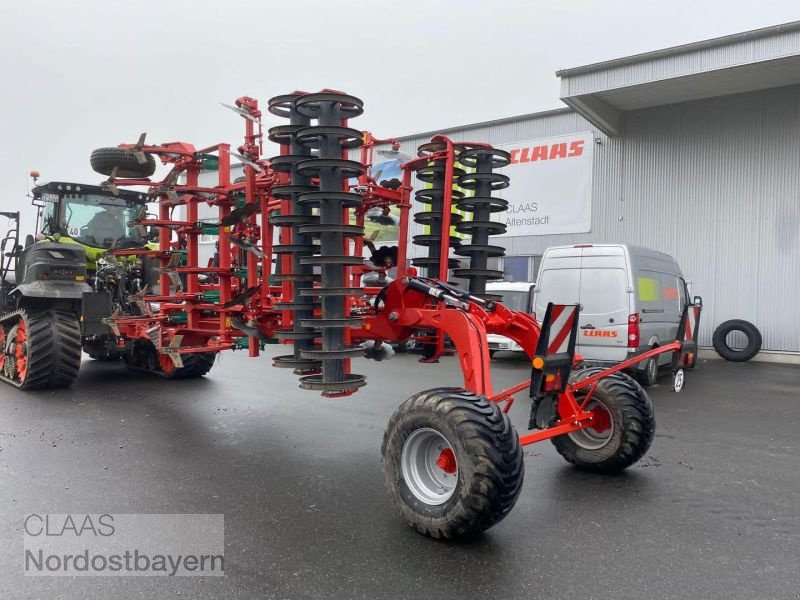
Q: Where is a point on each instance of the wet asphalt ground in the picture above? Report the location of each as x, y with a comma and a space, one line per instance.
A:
712, 511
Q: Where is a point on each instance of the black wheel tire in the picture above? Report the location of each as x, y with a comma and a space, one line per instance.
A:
634, 423
105, 357
54, 349
194, 366
748, 329
488, 453
492, 353
649, 375
105, 160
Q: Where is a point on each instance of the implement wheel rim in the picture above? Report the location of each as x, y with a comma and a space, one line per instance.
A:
601, 431
429, 466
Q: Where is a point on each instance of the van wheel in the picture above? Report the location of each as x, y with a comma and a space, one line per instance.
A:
649, 375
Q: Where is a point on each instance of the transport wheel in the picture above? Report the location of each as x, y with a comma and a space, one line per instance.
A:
194, 365
737, 340
649, 375
46, 350
624, 425
428, 351
145, 357
105, 160
105, 357
452, 463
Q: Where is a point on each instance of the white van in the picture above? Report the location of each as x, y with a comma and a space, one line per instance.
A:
516, 295
631, 300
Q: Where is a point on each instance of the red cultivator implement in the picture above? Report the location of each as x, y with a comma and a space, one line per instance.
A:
289, 268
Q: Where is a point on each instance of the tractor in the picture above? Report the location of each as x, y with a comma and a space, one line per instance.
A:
59, 288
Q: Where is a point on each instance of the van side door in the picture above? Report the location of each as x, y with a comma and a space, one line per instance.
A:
653, 320
605, 307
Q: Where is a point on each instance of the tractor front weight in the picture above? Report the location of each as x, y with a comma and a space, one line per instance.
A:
288, 268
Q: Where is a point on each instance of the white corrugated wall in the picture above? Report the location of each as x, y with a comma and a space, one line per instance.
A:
715, 183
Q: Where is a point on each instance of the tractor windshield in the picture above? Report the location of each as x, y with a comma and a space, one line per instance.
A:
102, 221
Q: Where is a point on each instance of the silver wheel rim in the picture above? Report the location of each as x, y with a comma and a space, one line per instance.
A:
418, 460
590, 438
652, 370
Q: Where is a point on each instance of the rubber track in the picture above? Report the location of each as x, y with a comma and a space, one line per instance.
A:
54, 348
638, 431
491, 442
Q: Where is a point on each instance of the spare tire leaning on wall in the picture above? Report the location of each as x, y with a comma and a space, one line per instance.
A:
750, 349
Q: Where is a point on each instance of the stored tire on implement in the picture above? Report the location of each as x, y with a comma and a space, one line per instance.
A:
619, 440
720, 340
452, 462
105, 160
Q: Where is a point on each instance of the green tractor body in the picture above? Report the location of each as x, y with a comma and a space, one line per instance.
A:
59, 288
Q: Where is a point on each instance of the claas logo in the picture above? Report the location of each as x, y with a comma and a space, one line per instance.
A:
608, 333
546, 152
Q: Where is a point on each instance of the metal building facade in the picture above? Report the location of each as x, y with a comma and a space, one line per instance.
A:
713, 182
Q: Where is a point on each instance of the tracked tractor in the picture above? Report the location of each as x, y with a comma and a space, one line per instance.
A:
59, 287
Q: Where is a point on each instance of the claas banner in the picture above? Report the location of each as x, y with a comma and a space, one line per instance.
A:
551, 185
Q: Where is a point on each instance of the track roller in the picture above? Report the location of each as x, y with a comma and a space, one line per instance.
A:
301, 245
328, 235
482, 181
433, 175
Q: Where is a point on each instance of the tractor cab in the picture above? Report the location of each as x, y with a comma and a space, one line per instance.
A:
91, 216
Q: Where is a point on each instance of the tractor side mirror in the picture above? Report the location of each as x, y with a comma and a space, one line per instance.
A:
697, 301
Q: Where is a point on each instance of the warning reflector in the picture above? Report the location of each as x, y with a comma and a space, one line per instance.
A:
687, 336
555, 351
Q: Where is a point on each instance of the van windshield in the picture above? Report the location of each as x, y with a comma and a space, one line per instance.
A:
514, 299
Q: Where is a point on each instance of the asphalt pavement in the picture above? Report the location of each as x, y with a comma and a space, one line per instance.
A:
712, 511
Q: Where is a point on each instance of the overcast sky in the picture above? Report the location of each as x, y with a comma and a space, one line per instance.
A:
76, 75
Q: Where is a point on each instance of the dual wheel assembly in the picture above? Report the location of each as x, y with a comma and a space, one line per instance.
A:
453, 461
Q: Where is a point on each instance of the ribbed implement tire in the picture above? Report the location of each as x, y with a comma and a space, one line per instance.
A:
105, 160
194, 365
720, 340
633, 420
54, 349
489, 456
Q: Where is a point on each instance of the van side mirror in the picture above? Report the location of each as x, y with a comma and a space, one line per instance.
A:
697, 301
